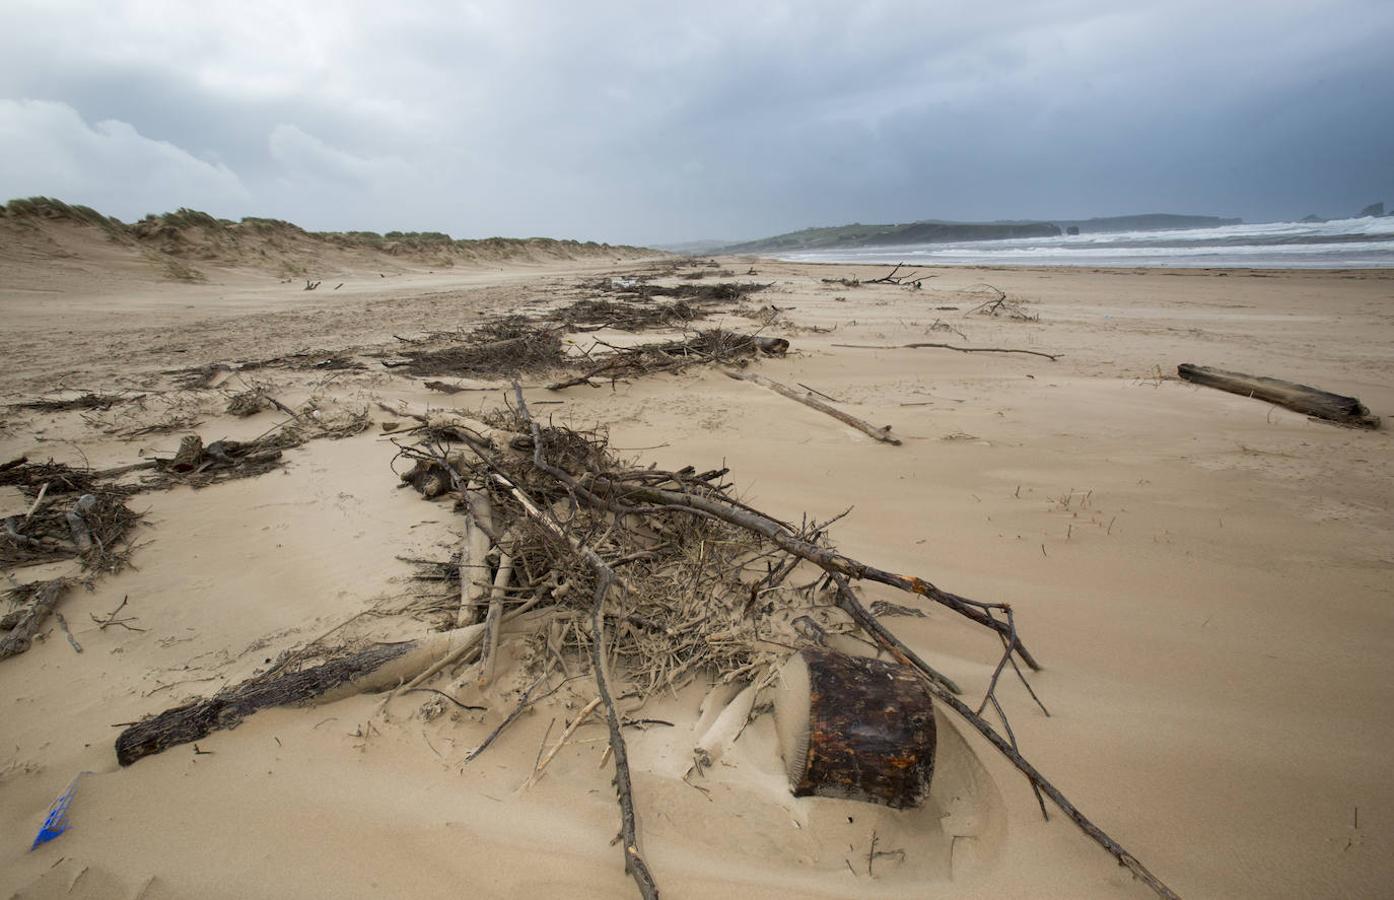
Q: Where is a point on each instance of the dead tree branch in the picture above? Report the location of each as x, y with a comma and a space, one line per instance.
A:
924, 345
882, 434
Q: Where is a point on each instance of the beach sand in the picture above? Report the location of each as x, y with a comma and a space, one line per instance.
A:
1207, 580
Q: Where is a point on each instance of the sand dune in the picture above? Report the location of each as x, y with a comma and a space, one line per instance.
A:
1206, 578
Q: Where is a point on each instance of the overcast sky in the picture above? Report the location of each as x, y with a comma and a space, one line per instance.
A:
659, 122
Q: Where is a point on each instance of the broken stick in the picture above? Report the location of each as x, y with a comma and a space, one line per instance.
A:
927, 345
488, 656
882, 434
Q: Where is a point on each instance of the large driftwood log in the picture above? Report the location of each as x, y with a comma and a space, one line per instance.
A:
32, 617
882, 434
377, 667
855, 728
1296, 397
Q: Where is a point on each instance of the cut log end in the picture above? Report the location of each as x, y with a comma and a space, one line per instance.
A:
855, 728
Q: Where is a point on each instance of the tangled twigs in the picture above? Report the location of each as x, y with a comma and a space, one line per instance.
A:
714, 345
830, 561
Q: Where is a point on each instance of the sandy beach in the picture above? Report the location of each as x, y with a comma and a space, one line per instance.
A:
1207, 580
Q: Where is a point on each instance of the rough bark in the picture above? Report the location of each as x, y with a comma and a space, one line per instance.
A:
356, 672
1296, 397
32, 618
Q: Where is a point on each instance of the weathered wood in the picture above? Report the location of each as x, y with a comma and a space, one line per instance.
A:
364, 670
77, 522
189, 455
856, 728
474, 551
430, 478
882, 434
489, 652
32, 618
1296, 397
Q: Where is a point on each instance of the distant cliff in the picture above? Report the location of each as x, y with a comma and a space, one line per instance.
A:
940, 232
859, 235
1146, 222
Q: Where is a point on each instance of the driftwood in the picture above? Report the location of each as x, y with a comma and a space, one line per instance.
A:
378, 666
856, 728
1300, 398
30, 619
489, 646
882, 434
925, 345
474, 550
581, 516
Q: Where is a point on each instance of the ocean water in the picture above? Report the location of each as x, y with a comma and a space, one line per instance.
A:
1339, 244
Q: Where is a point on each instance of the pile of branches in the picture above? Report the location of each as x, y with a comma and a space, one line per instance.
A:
214, 374
659, 575
52, 478
703, 597
94, 529
625, 314
640, 287
199, 465
513, 345
705, 347
86, 401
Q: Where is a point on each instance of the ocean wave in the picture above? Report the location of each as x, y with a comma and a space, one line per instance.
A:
1342, 243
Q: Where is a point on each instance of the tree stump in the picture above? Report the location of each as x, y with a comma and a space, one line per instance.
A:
855, 728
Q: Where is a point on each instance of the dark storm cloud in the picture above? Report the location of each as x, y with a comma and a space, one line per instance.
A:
647, 123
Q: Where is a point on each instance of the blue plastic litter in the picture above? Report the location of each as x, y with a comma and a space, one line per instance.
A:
55, 823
